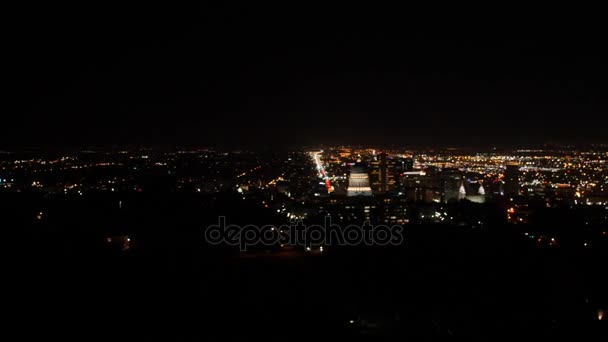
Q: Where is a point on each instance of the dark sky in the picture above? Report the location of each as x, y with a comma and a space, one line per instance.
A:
163, 75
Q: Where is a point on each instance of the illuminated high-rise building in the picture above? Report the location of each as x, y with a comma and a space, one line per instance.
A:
383, 174
358, 183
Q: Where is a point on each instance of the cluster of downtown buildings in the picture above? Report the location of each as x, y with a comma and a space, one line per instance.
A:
399, 186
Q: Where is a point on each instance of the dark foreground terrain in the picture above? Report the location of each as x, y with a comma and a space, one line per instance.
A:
84, 269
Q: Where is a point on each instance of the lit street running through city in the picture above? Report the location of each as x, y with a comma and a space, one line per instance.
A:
322, 173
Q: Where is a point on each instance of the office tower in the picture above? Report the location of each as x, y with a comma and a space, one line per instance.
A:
383, 174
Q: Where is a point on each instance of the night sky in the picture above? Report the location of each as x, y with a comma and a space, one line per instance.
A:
164, 75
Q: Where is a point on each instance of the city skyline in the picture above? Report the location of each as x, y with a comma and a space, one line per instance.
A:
218, 171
